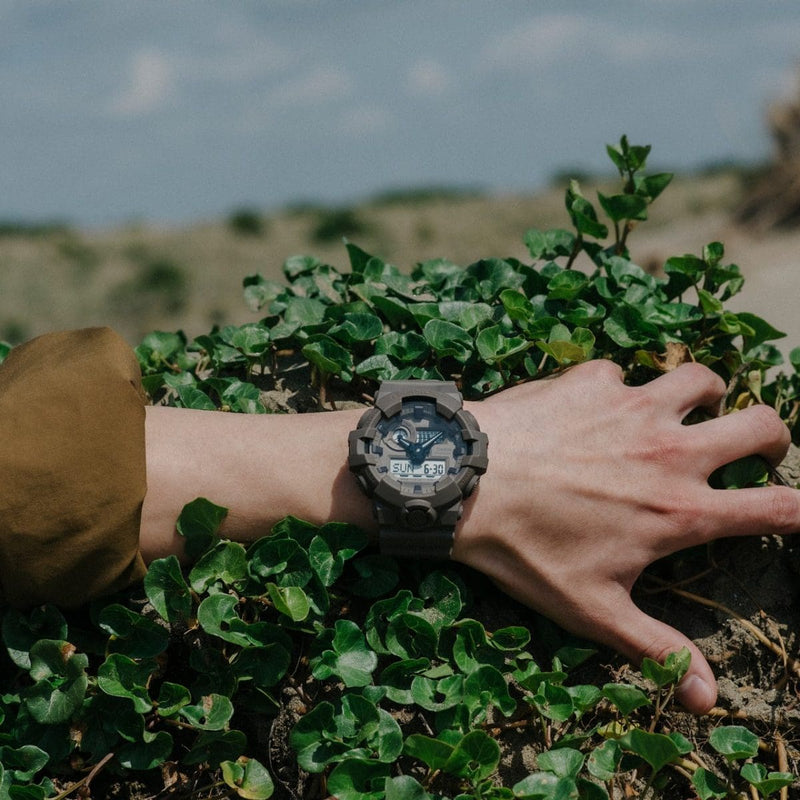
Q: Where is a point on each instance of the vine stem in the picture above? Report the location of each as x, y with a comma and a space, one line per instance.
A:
84, 782
783, 762
791, 664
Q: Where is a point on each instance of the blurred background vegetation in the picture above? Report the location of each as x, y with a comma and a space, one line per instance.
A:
143, 277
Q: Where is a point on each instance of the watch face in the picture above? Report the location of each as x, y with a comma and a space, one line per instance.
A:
418, 447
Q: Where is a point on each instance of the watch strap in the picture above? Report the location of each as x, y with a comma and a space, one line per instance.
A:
427, 543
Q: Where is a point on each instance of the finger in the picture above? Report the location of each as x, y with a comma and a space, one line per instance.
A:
757, 429
636, 635
764, 511
687, 387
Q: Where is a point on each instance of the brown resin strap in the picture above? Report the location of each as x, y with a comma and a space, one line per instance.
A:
430, 544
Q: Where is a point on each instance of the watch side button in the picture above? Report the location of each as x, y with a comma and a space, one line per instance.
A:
418, 514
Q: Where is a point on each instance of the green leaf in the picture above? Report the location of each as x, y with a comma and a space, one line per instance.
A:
171, 698
476, 756
708, 785
512, 638
544, 786
303, 312
404, 787
734, 742
553, 702
625, 697
604, 761
212, 713
397, 677
217, 615
265, 666
448, 339
563, 762
656, 749
406, 347
486, 687
236, 395
158, 348
433, 752
549, 244
22, 763
329, 357
583, 214
152, 749
357, 779
766, 783
294, 266
289, 600
259, 291
493, 347
248, 777
438, 695
624, 206
314, 738
59, 672
749, 471
675, 666
214, 747
192, 397
131, 633
626, 327
199, 524
345, 655
443, 600
376, 368
251, 339
762, 330
226, 563
357, 328
651, 186
167, 590
21, 630
411, 636
332, 547
121, 676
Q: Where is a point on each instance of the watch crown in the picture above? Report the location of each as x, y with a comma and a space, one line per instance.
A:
418, 514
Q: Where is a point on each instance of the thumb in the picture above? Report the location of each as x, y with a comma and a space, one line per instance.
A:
636, 635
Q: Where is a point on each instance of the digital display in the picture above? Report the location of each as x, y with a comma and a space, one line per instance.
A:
430, 470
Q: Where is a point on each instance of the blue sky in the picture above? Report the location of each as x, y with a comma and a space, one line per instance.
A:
120, 110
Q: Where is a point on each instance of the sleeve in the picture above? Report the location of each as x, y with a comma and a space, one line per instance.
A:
72, 468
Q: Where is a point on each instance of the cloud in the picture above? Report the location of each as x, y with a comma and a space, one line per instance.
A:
552, 38
151, 81
365, 121
428, 78
323, 84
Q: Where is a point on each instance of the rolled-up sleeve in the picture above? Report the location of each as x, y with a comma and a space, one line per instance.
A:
72, 468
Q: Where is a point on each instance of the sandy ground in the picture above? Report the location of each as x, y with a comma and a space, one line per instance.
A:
770, 264
75, 278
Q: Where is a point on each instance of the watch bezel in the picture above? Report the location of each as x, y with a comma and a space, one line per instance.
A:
394, 494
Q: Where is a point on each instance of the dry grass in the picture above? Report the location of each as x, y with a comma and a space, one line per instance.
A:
141, 278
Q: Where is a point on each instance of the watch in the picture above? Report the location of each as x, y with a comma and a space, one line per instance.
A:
417, 454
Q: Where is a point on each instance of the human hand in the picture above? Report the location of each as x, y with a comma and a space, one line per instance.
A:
590, 481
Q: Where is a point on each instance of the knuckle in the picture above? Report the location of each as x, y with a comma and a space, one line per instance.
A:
663, 449
700, 374
782, 509
600, 369
769, 427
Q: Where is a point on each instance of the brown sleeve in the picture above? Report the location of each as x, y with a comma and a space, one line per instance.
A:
72, 468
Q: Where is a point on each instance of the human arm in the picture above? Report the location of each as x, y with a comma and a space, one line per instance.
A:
589, 482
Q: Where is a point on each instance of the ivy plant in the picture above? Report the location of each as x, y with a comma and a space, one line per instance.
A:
384, 681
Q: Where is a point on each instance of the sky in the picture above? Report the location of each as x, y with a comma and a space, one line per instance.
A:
114, 111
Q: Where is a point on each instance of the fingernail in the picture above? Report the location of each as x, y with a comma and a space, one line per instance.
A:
696, 694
